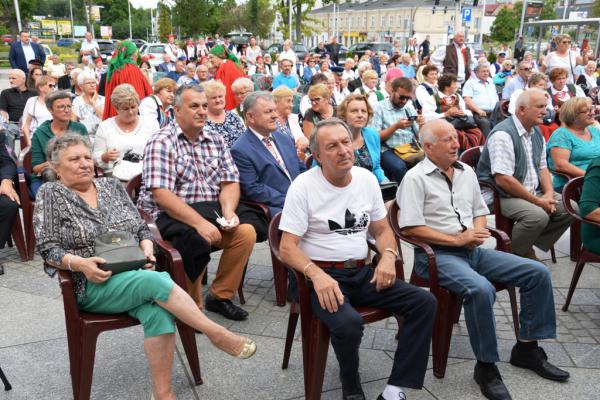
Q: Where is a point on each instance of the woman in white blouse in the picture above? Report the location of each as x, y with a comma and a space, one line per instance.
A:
425, 91
120, 140
89, 106
563, 57
35, 112
287, 122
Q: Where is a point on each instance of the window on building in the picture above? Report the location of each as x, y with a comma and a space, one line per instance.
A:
365, 22
405, 23
398, 21
382, 22
476, 26
372, 22
351, 22
391, 21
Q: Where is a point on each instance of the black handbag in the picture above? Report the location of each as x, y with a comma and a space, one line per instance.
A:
120, 249
462, 123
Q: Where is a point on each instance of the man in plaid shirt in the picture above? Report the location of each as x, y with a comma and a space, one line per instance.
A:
189, 182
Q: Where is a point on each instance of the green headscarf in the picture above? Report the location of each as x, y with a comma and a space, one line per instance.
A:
223, 53
121, 56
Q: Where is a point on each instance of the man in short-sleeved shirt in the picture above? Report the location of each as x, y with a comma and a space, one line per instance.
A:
481, 97
514, 161
89, 48
327, 214
188, 178
441, 204
396, 120
285, 77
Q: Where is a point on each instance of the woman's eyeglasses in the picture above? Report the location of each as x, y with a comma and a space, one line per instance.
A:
51, 85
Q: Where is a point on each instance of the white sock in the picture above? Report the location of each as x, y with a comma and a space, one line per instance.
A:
392, 392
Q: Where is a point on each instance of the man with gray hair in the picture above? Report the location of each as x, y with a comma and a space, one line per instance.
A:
327, 214
190, 185
513, 160
441, 204
481, 97
266, 158
12, 104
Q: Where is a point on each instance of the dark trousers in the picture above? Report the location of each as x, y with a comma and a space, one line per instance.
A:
416, 305
483, 123
8, 211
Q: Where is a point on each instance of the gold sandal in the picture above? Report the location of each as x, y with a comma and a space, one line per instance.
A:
248, 349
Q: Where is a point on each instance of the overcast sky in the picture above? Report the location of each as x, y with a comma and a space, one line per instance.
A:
144, 3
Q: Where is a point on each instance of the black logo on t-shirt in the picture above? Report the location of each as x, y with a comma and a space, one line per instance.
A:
351, 224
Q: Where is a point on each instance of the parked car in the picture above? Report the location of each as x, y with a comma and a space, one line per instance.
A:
138, 42
360, 48
107, 48
239, 38
7, 39
154, 51
47, 50
67, 42
299, 48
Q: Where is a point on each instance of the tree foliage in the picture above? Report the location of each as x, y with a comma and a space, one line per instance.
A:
164, 21
301, 21
8, 16
505, 25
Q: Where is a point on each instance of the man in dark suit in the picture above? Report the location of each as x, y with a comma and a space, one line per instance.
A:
266, 158
23, 51
333, 48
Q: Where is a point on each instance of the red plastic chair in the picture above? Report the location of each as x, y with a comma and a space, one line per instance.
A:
83, 328
315, 336
572, 192
471, 158
449, 304
133, 188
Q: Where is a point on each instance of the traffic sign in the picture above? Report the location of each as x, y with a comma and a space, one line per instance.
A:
466, 14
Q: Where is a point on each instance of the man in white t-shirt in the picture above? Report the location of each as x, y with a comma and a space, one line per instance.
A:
327, 213
89, 48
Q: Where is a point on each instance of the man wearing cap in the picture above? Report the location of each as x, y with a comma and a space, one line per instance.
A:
23, 51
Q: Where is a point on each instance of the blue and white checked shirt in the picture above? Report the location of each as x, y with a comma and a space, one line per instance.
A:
386, 115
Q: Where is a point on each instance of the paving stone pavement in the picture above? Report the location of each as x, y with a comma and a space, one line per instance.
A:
33, 347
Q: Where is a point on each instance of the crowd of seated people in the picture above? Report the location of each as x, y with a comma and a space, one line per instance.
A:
231, 126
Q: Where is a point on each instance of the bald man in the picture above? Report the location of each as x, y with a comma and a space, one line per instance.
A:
441, 204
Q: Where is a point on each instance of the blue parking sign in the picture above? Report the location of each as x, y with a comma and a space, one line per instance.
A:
466, 14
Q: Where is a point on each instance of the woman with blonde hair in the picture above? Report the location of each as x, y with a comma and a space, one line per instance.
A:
220, 120
563, 57
120, 140
574, 145
35, 112
287, 122
321, 108
356, 111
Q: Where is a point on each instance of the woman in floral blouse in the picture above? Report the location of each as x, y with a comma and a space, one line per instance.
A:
70, 213
220, 120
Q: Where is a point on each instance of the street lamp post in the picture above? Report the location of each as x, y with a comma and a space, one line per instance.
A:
72, 27
129, 10
18, 15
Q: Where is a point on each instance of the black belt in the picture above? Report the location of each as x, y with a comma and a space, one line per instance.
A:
341, 264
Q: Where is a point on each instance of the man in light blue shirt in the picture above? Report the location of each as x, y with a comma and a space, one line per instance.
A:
406, 67
519, 81
481, 97
285, 77
397, 122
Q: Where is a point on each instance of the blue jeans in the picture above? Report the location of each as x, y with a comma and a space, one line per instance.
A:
393, 166
468, 274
